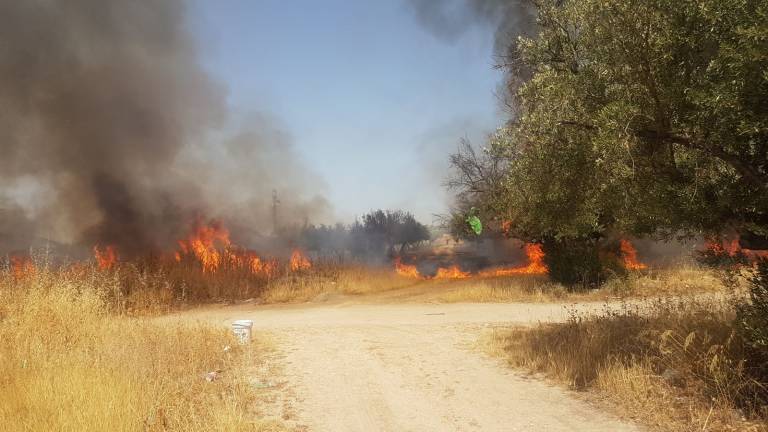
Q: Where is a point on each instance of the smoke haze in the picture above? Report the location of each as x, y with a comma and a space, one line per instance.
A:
105, 130
450, 19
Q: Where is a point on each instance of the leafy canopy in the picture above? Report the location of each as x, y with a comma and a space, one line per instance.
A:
644, 116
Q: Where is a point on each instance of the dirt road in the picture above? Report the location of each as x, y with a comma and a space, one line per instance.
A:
413, 368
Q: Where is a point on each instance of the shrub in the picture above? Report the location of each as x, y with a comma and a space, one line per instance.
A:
752, 323
579, 263
753, 314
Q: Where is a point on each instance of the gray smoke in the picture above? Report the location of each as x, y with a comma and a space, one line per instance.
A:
450, 19
102, 104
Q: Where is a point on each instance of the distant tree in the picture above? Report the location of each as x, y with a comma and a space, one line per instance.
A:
385, 229
377, 232
409, 232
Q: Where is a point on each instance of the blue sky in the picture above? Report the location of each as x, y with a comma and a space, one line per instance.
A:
373, 101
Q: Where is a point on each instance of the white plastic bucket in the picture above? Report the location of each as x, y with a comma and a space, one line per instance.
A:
242, 329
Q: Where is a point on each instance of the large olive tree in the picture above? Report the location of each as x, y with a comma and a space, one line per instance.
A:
641, 116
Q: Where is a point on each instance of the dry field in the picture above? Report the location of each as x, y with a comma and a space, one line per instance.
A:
383, 285
678, 365
70, 362
80, 349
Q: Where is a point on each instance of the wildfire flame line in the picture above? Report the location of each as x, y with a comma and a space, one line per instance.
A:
106, 258
535, 265
452, 272
299, 261
22, 267
629, 256
407, 270
210, 245
733, 248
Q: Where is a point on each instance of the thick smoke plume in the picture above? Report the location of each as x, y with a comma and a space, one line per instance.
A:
105, 128
450, 19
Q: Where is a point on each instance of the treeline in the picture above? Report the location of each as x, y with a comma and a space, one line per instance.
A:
638, 117
376, 234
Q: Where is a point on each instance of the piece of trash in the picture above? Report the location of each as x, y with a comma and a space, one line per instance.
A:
227, 348
475, 225
435, 313
242, 329
212, 376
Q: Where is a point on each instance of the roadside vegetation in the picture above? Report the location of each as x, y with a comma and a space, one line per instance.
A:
638, 119
633, 118
158, 286
678, 364
72, 361
679, 280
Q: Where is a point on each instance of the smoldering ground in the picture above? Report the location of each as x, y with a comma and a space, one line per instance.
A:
106, 121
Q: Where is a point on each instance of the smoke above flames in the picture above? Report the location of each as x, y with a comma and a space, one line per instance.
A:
450, 19
110, 132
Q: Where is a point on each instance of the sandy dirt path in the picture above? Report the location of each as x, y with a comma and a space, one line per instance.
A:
412, 368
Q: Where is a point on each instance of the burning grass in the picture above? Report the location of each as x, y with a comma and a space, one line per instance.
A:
158, 284
675, 366
681, 280
70, 363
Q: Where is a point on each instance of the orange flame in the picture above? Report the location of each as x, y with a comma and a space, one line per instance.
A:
106, 258
259, 266
629, 256
22, 267
733, 248
452, 272
203, 242
299, 261
406, 270
536, 265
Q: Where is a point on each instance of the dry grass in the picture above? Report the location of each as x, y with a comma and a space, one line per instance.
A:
523, 288
679, 367
319, 283
156, 285
683, 280
69, 363
671, 281
325, 281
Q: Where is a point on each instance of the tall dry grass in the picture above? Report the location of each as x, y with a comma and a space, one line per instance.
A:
70, 362
673, 281
155, 285
676, 365
329, 280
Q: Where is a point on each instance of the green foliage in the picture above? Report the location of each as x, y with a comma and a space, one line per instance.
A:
752, 323
640, 116
753, 315
579, 263
646, 117
379, 232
